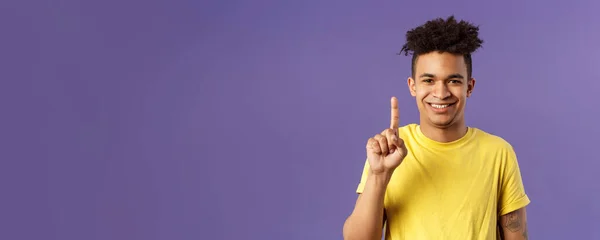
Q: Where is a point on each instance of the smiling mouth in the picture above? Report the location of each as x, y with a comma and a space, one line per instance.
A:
440, 106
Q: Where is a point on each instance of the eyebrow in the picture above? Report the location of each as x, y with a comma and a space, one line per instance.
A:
429, 75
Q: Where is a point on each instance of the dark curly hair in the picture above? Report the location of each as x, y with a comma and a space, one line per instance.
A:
443, 36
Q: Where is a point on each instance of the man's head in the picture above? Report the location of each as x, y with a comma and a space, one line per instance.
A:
441, 69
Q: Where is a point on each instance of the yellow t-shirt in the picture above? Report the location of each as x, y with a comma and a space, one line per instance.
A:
455, 190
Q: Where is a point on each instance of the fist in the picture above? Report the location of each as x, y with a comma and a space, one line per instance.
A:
386, 150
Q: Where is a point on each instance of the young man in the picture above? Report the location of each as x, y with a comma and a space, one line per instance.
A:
439, 179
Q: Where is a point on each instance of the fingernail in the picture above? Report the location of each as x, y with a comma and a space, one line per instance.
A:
392, 151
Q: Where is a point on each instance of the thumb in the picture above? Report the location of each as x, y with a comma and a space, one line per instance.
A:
399, 143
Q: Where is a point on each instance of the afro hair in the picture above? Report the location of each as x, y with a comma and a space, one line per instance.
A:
449, 35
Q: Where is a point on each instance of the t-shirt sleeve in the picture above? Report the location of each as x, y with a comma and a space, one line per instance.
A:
512, 191
363, 178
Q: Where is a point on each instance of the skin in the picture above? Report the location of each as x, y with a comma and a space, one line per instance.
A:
439, 78
514, 225
385, 152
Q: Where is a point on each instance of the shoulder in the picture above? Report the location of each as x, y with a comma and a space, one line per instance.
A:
491, 141
408, 127
408, 130
496, 147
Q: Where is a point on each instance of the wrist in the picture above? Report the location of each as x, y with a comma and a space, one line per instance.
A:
382, 178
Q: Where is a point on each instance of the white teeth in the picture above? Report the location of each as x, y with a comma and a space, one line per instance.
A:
439, 106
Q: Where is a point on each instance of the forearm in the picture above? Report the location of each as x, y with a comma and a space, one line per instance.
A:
366, 221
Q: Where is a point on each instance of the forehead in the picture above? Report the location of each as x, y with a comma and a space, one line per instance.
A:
440, 64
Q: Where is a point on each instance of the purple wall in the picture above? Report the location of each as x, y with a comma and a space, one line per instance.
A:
247, 120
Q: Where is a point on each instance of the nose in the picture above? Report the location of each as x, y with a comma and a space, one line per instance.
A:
440, 90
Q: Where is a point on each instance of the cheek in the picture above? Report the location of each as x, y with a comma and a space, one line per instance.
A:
460, 93
421, 92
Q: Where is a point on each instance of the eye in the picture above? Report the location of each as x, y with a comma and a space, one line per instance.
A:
455, 81
427, 80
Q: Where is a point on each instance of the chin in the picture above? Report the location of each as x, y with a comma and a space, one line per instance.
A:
442, 122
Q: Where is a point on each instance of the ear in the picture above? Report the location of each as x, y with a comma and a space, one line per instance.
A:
470, 86
411, 86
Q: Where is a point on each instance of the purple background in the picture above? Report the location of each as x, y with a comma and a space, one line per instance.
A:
247, 119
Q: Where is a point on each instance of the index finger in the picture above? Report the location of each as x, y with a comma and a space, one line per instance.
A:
395, 115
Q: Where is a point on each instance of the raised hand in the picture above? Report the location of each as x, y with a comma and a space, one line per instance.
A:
386, 150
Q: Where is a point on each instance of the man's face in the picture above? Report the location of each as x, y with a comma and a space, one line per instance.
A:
441, 88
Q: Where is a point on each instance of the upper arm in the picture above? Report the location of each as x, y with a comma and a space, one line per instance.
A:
513, 225
512, 199
512, 196
363, 178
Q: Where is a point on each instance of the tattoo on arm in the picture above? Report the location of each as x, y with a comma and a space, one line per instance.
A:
513, 221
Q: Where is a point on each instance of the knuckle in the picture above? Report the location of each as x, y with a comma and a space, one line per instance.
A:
392, 136
375, 147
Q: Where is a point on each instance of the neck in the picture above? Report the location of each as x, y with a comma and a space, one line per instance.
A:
444, 135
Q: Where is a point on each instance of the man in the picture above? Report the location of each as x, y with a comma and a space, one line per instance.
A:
439, 179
